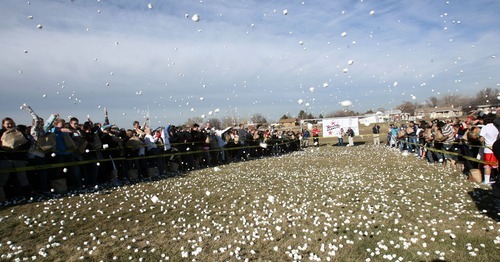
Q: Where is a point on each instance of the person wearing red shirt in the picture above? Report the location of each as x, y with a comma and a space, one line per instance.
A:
315, 133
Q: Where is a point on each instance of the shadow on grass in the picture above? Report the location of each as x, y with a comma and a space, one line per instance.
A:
357, 143
103, 188
487, 201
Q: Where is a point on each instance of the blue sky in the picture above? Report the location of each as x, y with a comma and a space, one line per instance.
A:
241, 57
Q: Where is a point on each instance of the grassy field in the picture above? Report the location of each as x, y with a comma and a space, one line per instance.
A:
362, 203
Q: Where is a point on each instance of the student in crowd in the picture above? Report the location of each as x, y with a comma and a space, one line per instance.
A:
376, 134
488, 136
14, 145
350, 136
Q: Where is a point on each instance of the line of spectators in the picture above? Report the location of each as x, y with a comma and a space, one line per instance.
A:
109, 156
452, 142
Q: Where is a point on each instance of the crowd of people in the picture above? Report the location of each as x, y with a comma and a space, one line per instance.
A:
55, 156
459, 144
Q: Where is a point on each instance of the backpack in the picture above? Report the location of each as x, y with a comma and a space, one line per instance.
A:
134, 143
47, 143
401, 134
13, 139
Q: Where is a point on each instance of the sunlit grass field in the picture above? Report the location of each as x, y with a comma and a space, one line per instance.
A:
362, 203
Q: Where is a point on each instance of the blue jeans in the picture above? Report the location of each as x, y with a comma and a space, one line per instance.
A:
413, 143
340, 142
402, 143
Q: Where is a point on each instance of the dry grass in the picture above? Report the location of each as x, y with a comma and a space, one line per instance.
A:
329, 203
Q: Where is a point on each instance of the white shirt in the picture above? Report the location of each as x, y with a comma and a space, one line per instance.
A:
419, 129
150, 142
490, 133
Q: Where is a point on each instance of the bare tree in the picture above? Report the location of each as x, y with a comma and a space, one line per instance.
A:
342, 113
483, 97
432, 101
193, 120
215, 122
486, 96
229, 121
258, 119
407, 107
446, 100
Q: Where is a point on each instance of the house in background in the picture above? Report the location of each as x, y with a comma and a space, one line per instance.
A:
394, 115
368, 119
289, 122
486, 109
439, 112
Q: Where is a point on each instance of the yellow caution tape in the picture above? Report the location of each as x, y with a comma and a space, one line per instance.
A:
77, 163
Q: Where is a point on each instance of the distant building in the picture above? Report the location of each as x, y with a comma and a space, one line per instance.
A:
393, 115
368, 119
289, 122
439, 112
486, 109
